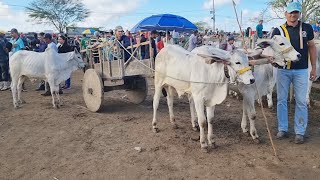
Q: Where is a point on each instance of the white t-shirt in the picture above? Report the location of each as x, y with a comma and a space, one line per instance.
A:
192, 42
175, 35
170, 41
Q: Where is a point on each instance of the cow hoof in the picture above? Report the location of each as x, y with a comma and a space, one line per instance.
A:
248, 133
213, 146
22, 101
257, 140
155, 130
175, 126
197, 129
205, 149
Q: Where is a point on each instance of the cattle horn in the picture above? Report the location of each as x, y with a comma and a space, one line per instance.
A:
210, 58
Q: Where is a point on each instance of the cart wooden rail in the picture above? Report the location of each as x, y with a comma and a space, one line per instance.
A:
113, 72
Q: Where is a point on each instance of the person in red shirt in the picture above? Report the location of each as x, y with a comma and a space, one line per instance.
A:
160, 43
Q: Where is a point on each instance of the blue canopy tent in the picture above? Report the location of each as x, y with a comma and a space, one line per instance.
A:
165, 22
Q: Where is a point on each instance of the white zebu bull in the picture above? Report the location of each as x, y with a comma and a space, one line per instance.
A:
206, 84
49, 65
264, 78
310, 82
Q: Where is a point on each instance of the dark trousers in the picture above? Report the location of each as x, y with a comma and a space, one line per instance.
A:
4, 71
68, 83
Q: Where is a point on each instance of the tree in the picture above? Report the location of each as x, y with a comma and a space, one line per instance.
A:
201, 25
59, 13
310, 8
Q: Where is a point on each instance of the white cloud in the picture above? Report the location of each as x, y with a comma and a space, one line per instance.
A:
245, 12
208, 3
105, 13
4, 10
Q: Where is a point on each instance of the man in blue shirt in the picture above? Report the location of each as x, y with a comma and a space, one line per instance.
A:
16, 41
124, 40
259, 29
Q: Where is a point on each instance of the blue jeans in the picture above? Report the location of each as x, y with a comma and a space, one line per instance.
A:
68, 83
299, 79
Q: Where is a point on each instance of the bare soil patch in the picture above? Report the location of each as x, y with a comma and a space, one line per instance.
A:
39, 142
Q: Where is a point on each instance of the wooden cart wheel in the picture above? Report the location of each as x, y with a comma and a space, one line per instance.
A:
92, 89
139, 94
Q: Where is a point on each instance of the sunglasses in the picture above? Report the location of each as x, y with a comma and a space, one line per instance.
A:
294, 12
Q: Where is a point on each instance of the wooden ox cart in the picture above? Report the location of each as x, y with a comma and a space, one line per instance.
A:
112, 72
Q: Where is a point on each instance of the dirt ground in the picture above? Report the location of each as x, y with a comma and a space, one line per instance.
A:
39, 142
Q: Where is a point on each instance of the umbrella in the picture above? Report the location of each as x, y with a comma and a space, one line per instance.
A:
88, 31
166, 22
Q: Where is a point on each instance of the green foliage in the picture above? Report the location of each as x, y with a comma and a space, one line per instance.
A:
310, 8
201, 25
59, 13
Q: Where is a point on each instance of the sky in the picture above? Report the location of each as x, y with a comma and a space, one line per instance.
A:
110, 13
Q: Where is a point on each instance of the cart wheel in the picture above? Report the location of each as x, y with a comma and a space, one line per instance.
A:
139, 94
92, 89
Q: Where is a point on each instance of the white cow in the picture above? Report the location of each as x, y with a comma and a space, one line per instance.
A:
310, 82
264, 74
206, 84
49, 65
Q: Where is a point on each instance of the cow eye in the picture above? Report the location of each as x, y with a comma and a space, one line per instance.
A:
282, 44
238, 63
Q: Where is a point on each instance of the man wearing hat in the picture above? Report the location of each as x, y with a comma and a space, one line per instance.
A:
16, 41
123, 39
301, 37
50, 44
228, 45
4, 62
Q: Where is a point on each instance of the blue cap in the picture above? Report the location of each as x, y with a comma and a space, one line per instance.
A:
294, 6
